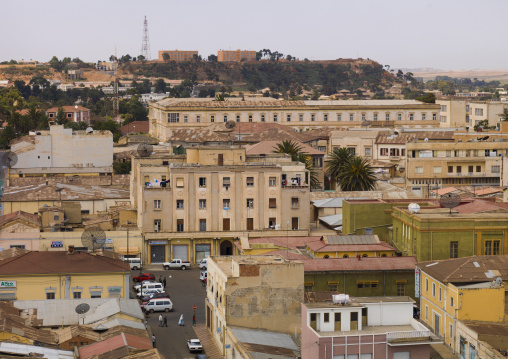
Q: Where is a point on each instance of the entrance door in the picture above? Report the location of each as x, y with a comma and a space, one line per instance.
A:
250, 224
337, 326
225, 224
436, 324
354, 321
157, 253
221, 159
180, 252
226, 248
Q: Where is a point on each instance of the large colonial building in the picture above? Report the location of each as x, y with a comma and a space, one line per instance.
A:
195, 205
174, 113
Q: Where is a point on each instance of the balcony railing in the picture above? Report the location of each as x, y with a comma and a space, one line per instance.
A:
468, 174
409, 336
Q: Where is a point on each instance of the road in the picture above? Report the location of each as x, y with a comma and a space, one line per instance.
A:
185, 290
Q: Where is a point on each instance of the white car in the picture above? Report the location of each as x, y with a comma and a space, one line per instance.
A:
147, 292
137, 286
202, 263
203, 275
194, 345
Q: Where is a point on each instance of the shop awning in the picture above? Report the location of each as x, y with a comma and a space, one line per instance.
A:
132, 250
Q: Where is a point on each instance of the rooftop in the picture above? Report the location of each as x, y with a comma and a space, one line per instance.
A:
68, 109
362, 264
113, 343
29, 218
266, 344
269, 147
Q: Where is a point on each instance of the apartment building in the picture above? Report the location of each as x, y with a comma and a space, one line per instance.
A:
469, 113
252, 292
454, 293
235, 55
337, 326
176, 114
195, 205
480, 161
178, 55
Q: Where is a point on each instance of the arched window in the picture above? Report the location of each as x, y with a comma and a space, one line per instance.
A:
345, 256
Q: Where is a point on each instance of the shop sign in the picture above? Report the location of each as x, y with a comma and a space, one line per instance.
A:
114, 289
202, 248
109, 241
56, 244
157, 242
8, 284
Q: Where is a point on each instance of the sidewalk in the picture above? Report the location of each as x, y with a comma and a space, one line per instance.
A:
209, 346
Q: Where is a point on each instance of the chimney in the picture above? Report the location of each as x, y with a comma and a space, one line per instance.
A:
71, 249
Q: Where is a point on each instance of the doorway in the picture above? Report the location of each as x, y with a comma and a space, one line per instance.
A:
226, 248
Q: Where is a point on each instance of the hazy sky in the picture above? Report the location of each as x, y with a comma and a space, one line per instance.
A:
444, 34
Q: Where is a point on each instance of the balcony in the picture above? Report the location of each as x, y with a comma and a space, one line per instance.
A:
470, 174
394, 158
410, 336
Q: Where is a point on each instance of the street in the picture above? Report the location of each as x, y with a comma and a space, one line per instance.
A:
185, 290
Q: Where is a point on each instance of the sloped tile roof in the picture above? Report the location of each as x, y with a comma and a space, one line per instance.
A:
268, 147
362, 264
28, 217
116, 342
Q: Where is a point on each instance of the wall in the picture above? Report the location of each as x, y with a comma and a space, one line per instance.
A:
393, 313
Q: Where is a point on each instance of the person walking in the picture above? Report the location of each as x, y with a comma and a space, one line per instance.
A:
153, 341
146, 323
160, 279
164, 282
180, 322
194, 320
160, 320
165, 324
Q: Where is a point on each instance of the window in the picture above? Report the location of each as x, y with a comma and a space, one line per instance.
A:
436, 169
492, 247
173, 117
237, 118
399, 117
262, 118
226, 182
69, 115
250, 203
202, 182
454, 249
272, 181
156, 204
198, 119
294, 223
322, 148
226, 224
202, 225
212, 118
185, 118
274, 118
179, 225
426, 312
326, 317
250, 118
375, 117
95, 293
300, 117
443, 108
325, 117
367, 284
317, 162
470, 169
272, 203
76, 295
459, 169
179, 182
333, 286
423, 117
272, 222
288, 118
295, 203
440, 294
455, 153
433, 289
451, 301
450, 169
51, 115
418, 169
478, 168
20, 246
202, 204
411, 117
352, 150
250, 181
225, 203
383, 151
225, 118
157, 225
50, 295
495, 169
339, 117
179, 204
387, 117
427, 285
401, 289
312, 117
308, 288
351, 117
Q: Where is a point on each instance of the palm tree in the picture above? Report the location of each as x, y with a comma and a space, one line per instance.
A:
504, 115
357, 175
290, 147
336, 161
313, 179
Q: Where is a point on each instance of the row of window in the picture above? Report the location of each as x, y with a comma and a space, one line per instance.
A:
226, 224
226, 203
175, 117
95, 292
457, 153
458, 169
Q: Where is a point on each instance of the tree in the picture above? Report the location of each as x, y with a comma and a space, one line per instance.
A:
504, 115
312, 179
160, 86
336, 161
400, 74
427, 98
122, 167
290, 147
357, 175
60, 116
212, 58
141, 58
165, 56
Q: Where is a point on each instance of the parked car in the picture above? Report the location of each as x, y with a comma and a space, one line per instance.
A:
176, 263
139, 285
143, 277
146, 298
203, 275
194, 345
202, 263
147, 286
159, 305
147, 292
135, 263
201, 356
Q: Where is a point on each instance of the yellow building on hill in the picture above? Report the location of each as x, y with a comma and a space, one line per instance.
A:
26, 275
461, 289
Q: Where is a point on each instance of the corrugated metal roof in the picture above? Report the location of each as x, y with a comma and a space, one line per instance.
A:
262, 337
23, 349
353, 239
333, 220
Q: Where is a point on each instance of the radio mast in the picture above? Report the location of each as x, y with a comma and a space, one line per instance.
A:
145, 44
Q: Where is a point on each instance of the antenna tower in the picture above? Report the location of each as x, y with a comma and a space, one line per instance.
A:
116, 105
145, 44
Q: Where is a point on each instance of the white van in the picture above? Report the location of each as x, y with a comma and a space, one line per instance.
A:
202, 263
149, 285
159, 305
135, 263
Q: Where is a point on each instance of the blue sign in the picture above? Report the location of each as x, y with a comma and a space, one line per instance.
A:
157, 242
56, 244
228, 346
109, 241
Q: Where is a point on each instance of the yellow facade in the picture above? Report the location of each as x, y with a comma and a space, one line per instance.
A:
443, 304
37, 287
6, 336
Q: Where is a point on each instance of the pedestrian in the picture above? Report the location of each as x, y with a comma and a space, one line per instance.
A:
165, 321
164, 282
153, 341
160, 320
160, 279
180, 322
194, 319
146, 323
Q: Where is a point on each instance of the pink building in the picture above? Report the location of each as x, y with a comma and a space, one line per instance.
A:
337, 327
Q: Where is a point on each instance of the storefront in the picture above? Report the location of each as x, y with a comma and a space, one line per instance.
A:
202, 251
157, 251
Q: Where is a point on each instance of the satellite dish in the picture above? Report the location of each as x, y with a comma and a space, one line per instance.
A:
449, 200
230, 124
12, 158
89, 129
82, 308
93, 238
413, 207
76, 107
145, 149
366, 123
